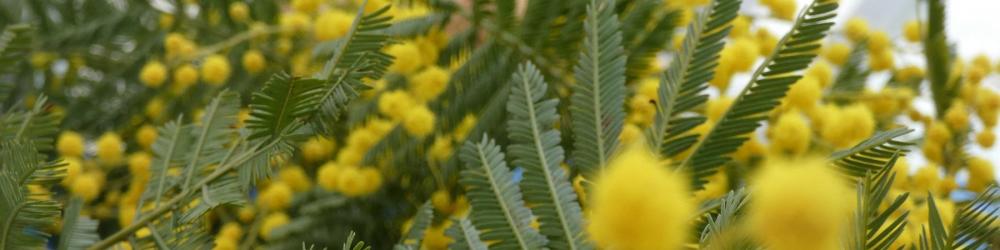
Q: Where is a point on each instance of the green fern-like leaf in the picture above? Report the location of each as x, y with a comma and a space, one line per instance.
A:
351, 245
975, 225
872, 154
78, 232
15, 42
498, 210
598, 100
211, 136
718, 231
37, 125
852, 76
423, 219
22, 216
938, 58
169, 152
465, 236
682, 87
282, 104
535, 147
767, 87
872, 232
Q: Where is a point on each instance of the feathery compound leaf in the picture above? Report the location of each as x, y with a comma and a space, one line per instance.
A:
872, 232
169, 150
852, 77
872, 154
713, 236
358, 57
421, 221
22, 215
497, 208
78, 231
465, 236
351, 245
535, 147
36, 125
682, 86
975, 225
282, 104
598, 101
15, 42
213, 133
767, 87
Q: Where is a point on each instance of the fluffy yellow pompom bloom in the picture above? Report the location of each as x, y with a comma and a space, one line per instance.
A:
86, 186
231, 230
70, 144
276, 197
463, 128
154, 108
790, 134
332, 25
957, 116
419, 121
139, 162
638, 203
435, 238
253, 61
109, 148
293, 23
174, 42
986, 138
717, 107
927, 178
441, 149
821, 71
222, 243
215, 70
394, 104
295, 178
799, 205
184, 76
902, 171
766, 41
848, 125
856, 29
783, 9
306, 6
407, 56
938, 133
442, 202
881, 60
741, 27
239, 11
271, 222
980, 174
741, 53
912, 31
836, 53
429, 83
153, 74
355, 182
327, 176
630, 133
909, 73
145, 136
317, 148
804, 93
642, 111
879, 41
73, 170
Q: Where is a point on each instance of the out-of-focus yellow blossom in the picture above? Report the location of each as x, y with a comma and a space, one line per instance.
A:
109, 149
231, 230
442, 202
317, 148
881, 60
856, 29
836, 53
783, 9
293, 23
153, 74
790, 134
463, 128
927, 178
271, 222
138, 164
938, 133
910, 73
843, 127
639, 204
166, 21
912, 31
429, 83
981, 174
717, 107
642, 110
215, 70
145, 136
441, 149
902, 171
879, 41
73, 170
407, 56
717, 186
239, 11
986, 138
957, 116
741, 27
799, 205
276, 197
356, 182
630, 133
435, 238
766, 41
70, 144
327, 176
804, 93
332, 24
742, 53
395, 104
821, 71
86, 186
253, 61
184, 77
154, 109
296, 178
419, 121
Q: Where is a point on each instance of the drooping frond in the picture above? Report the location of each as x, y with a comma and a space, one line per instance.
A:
976, 223
357, 57
282, 105
22, 215
225, 190
421, 221
465, 236
719, 230
15, 43
876, 227
767, 87
535, 147
78, 231
598, 101
872, 154
682, 86
498, 210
